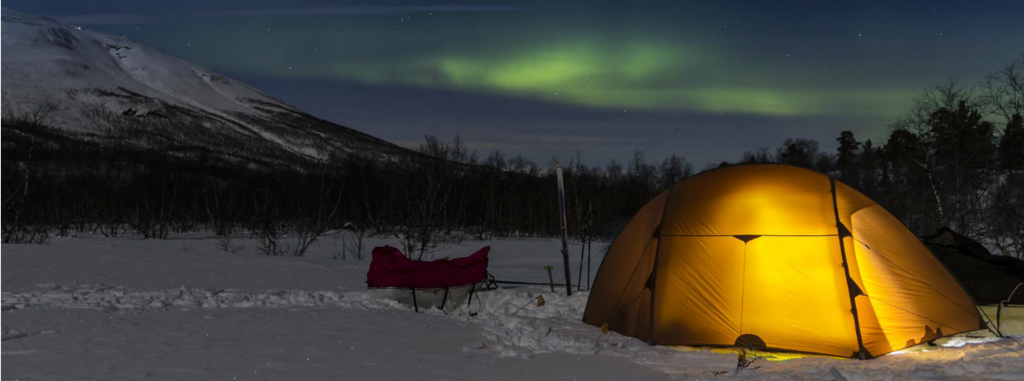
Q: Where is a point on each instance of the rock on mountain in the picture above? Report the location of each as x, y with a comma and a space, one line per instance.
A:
103, 89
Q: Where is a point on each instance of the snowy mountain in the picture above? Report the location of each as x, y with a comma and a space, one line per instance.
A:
105, 89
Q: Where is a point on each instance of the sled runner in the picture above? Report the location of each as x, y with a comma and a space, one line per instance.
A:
444, 283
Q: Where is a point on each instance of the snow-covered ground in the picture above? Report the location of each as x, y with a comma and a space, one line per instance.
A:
126, 308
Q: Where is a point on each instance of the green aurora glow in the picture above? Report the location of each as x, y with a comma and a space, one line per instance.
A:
707, 79
615, 68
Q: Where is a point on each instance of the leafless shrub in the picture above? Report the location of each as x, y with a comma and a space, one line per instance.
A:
40, 113
268, 235
352, 243
36, 111
225, 244
26, 234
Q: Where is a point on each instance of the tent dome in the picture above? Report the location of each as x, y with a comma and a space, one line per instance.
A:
776, 257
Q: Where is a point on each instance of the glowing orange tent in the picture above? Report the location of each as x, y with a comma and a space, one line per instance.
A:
775, 257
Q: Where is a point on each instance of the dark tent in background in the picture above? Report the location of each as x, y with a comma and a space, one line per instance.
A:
988, 278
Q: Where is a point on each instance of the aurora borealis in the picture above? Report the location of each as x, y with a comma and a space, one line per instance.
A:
706, 80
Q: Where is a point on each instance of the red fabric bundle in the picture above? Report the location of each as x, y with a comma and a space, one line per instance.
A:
390, 268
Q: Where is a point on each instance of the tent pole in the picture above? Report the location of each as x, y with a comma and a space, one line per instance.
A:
654, 280
843, 232
654, 269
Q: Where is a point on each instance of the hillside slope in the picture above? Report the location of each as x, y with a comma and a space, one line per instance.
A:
107, 89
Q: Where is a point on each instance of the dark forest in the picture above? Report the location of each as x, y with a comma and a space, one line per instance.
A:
955, 160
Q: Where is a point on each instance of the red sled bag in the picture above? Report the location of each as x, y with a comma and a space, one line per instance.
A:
389, 268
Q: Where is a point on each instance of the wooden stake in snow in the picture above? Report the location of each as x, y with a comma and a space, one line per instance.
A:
551, 278
565, 229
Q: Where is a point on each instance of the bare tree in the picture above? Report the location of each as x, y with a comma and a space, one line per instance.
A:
36, 111
421, 231
1002, 92
314, 225
15, 227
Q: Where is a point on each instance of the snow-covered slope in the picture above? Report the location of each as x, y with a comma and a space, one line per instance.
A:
94, 85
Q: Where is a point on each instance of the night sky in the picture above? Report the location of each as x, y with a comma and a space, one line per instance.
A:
705, 80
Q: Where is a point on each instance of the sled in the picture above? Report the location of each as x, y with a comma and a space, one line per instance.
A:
445, 298
444, 283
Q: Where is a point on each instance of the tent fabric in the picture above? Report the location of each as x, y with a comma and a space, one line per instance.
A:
389, 268
776, 257
988, 278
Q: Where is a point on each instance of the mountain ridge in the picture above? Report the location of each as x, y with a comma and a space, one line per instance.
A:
99, 87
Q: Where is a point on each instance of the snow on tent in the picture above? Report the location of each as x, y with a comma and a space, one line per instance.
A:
442, 283
775, 257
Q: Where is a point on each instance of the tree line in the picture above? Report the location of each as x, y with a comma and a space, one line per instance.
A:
956, 160
437, 196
